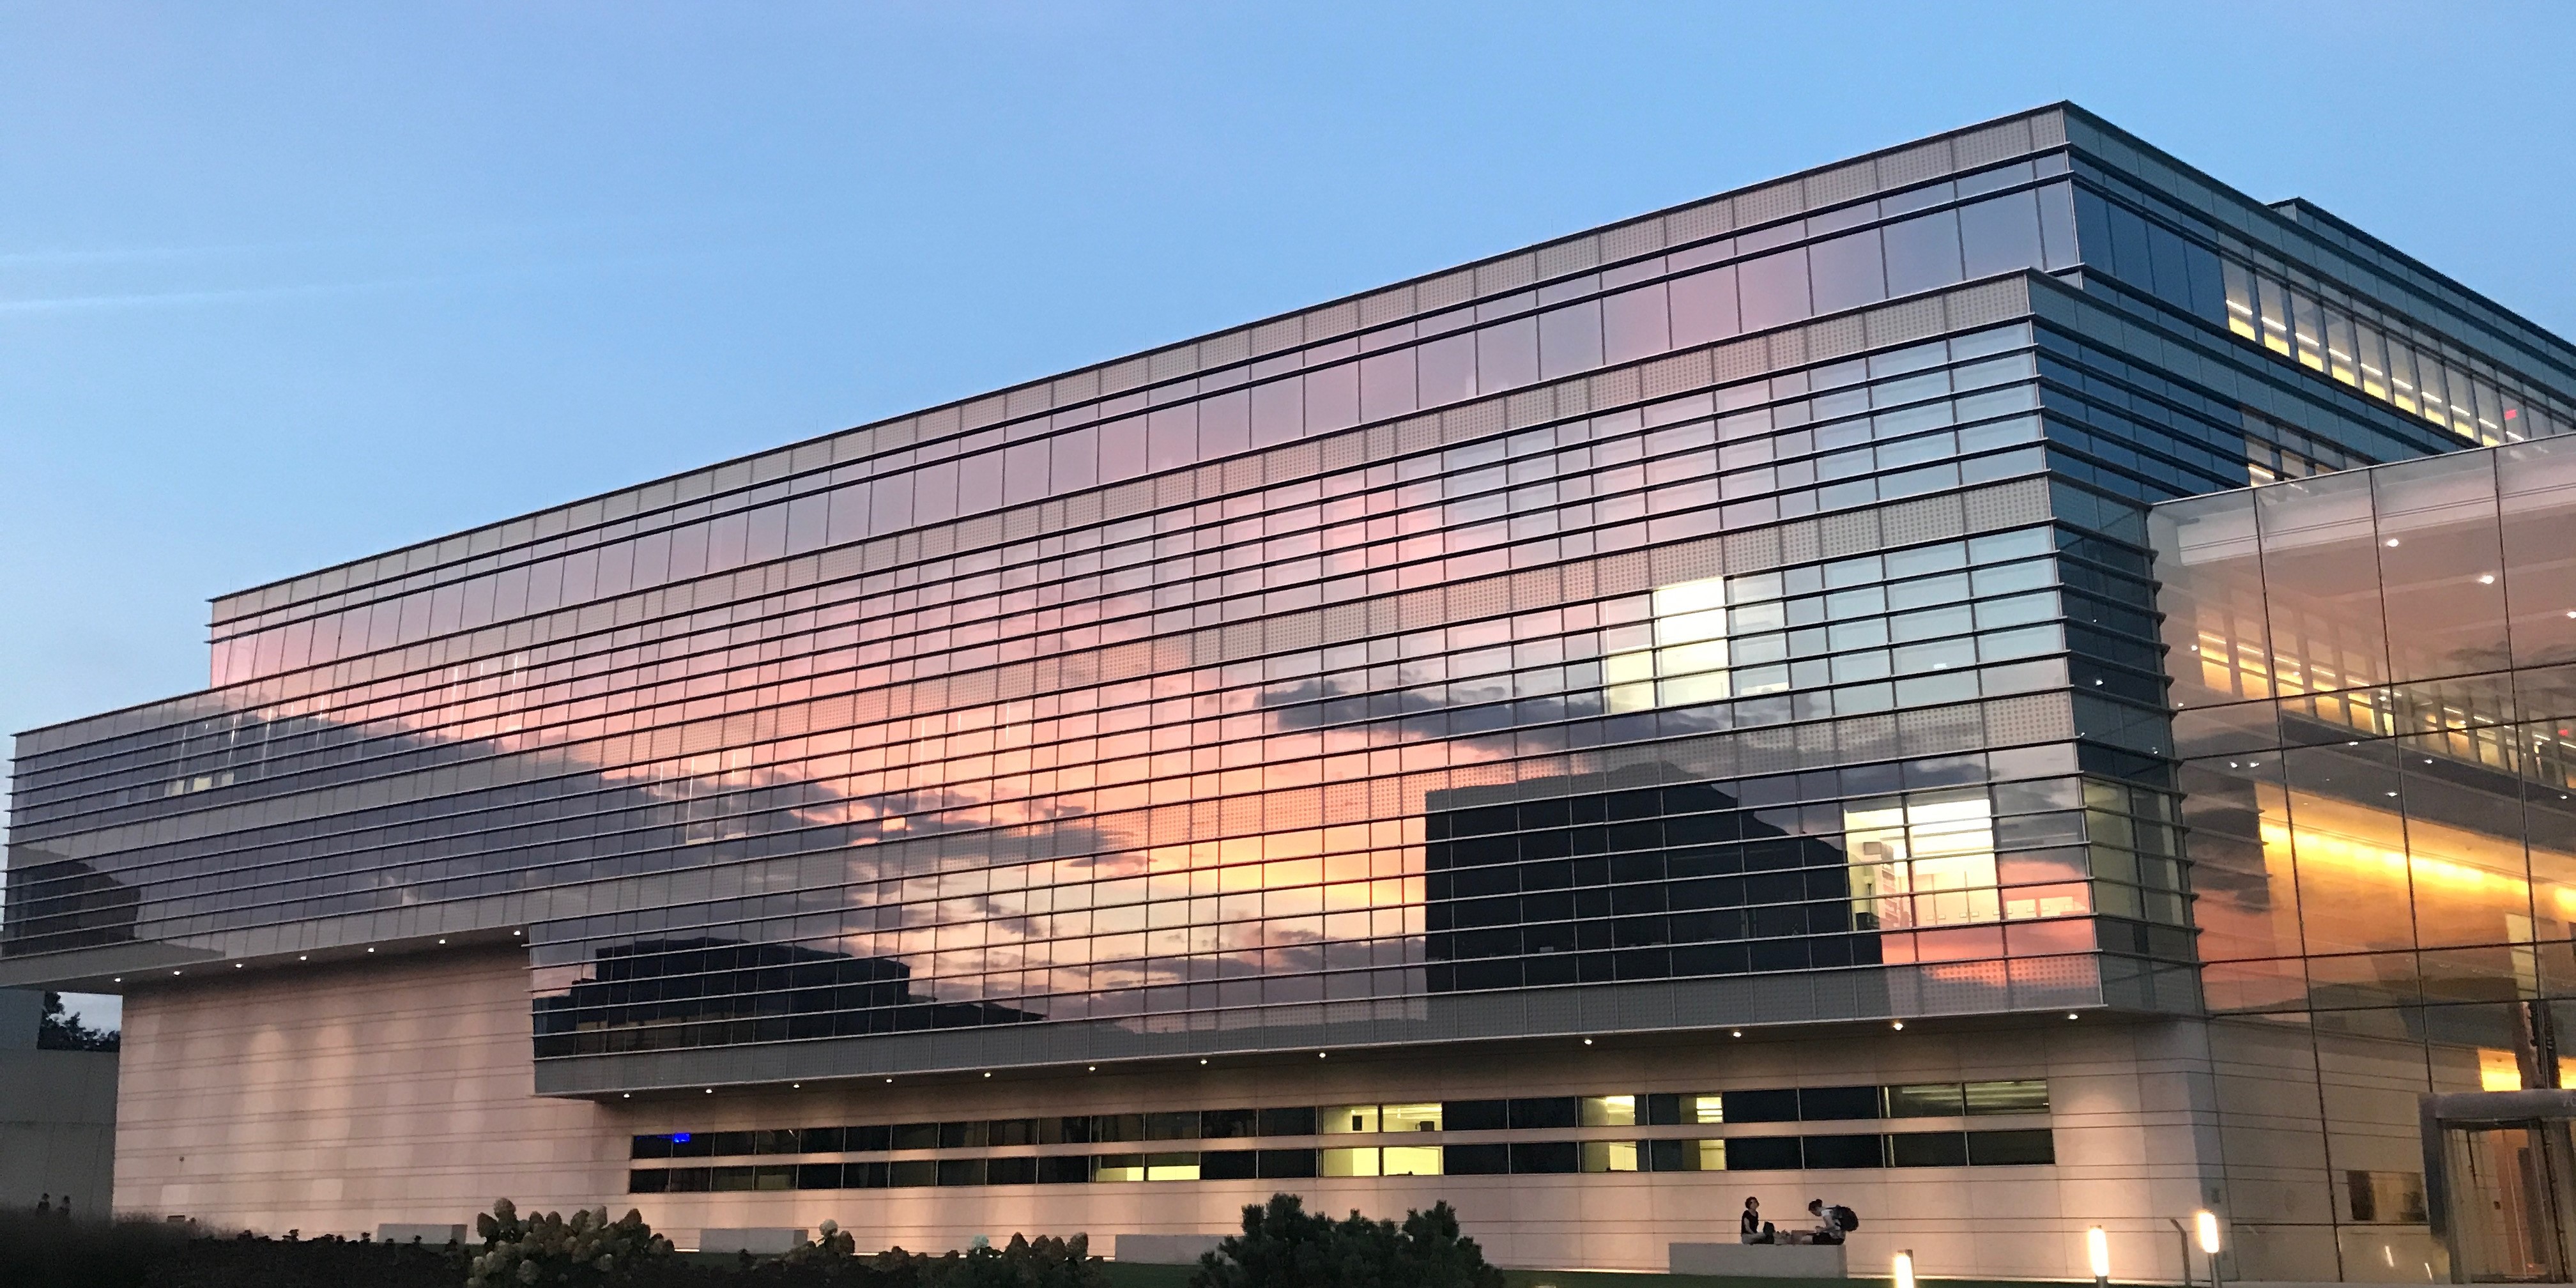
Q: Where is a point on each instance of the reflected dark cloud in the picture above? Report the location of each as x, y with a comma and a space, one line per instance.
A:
662, 994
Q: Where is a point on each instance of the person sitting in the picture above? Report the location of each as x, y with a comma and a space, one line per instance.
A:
1753, 1229
1829, 1226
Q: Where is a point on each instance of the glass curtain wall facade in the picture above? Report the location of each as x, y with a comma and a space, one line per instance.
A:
2375, 706
1737, 615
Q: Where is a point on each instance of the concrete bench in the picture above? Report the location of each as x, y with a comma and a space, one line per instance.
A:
1761, 1260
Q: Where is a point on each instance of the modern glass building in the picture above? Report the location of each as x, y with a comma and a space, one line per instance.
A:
2375, 714
1686, 697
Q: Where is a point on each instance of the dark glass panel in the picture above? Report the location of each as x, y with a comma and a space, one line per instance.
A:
1546, 1111
1298, 1121
1289, 1163
1762, 1154
1844, 1151
1545, 1157
1228, 1123
1928, 1149
1826, 1104
1183, 1125
1989, 1148
1761, 1106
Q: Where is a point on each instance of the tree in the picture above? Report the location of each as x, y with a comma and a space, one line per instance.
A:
1285, 1246
62, 1031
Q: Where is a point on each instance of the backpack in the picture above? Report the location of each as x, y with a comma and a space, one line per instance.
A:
1844, 1217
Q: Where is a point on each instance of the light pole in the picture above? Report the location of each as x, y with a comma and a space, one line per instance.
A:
1905, 1268
2182, 1237
2206, 1222
2097, 1248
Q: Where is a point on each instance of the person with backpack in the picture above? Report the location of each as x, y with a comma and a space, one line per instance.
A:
1833, 1221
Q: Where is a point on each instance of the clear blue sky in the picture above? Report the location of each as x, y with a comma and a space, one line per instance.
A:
283, 285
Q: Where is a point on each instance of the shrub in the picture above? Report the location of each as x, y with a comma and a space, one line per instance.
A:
1285, 1246
836, 1245
547, 1249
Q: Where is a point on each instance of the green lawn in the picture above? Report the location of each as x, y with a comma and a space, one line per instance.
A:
1141, 1276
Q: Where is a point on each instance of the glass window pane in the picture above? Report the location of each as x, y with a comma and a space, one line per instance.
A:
1848, 271
1925, 1100
2350, 847
1635, 324
1774, 289
1704, 307
2327, 629
2537, 483
1923, 254
2308, 330
2000, 234
2018, 1096
1506, 355
2440, 566
2240, 300
1569, 340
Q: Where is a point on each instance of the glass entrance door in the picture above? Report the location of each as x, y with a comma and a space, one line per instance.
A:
2507, 1201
